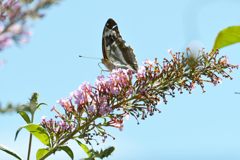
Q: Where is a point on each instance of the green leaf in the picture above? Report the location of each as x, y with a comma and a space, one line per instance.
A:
89, 158
227, 36
40, 104
41, 152
105, 153
84, 147
25, 116
12, 153
67, 150
19, 129
38, 131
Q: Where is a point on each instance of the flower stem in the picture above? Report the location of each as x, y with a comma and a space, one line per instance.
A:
30, 140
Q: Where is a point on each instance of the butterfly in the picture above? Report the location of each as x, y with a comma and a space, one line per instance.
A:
115, 52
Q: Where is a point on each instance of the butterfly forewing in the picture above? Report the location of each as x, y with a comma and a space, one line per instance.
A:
115, 53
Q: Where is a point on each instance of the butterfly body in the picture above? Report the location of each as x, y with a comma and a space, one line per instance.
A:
115, 52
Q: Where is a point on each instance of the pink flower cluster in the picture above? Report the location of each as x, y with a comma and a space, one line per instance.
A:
12, 28
57, 127
13, 17
98, 99
10, 9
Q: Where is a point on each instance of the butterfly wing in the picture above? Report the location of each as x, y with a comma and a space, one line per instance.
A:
115, 53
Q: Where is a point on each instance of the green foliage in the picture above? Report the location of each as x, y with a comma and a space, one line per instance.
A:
38, 131
104, 153
41, 152
100, 154
67, 150
30, 107
10, 152
92, 154
35, 129
25, 116
84, 147
227, 36
34, 105
12, 108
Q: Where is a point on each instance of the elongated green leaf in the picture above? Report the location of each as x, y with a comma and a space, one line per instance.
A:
84, 147
41, 152
19, 129
227, 36
105, 153
67, 150
25, 116
41, 104
89, 158
38, 131
10, 152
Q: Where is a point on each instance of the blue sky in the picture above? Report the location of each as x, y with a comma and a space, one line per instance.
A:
197, 126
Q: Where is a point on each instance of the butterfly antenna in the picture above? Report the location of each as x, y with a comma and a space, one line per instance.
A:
96, 58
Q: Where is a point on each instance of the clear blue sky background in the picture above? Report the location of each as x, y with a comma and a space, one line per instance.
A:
190, 127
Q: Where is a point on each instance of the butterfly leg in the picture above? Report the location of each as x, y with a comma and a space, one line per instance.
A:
102, 70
